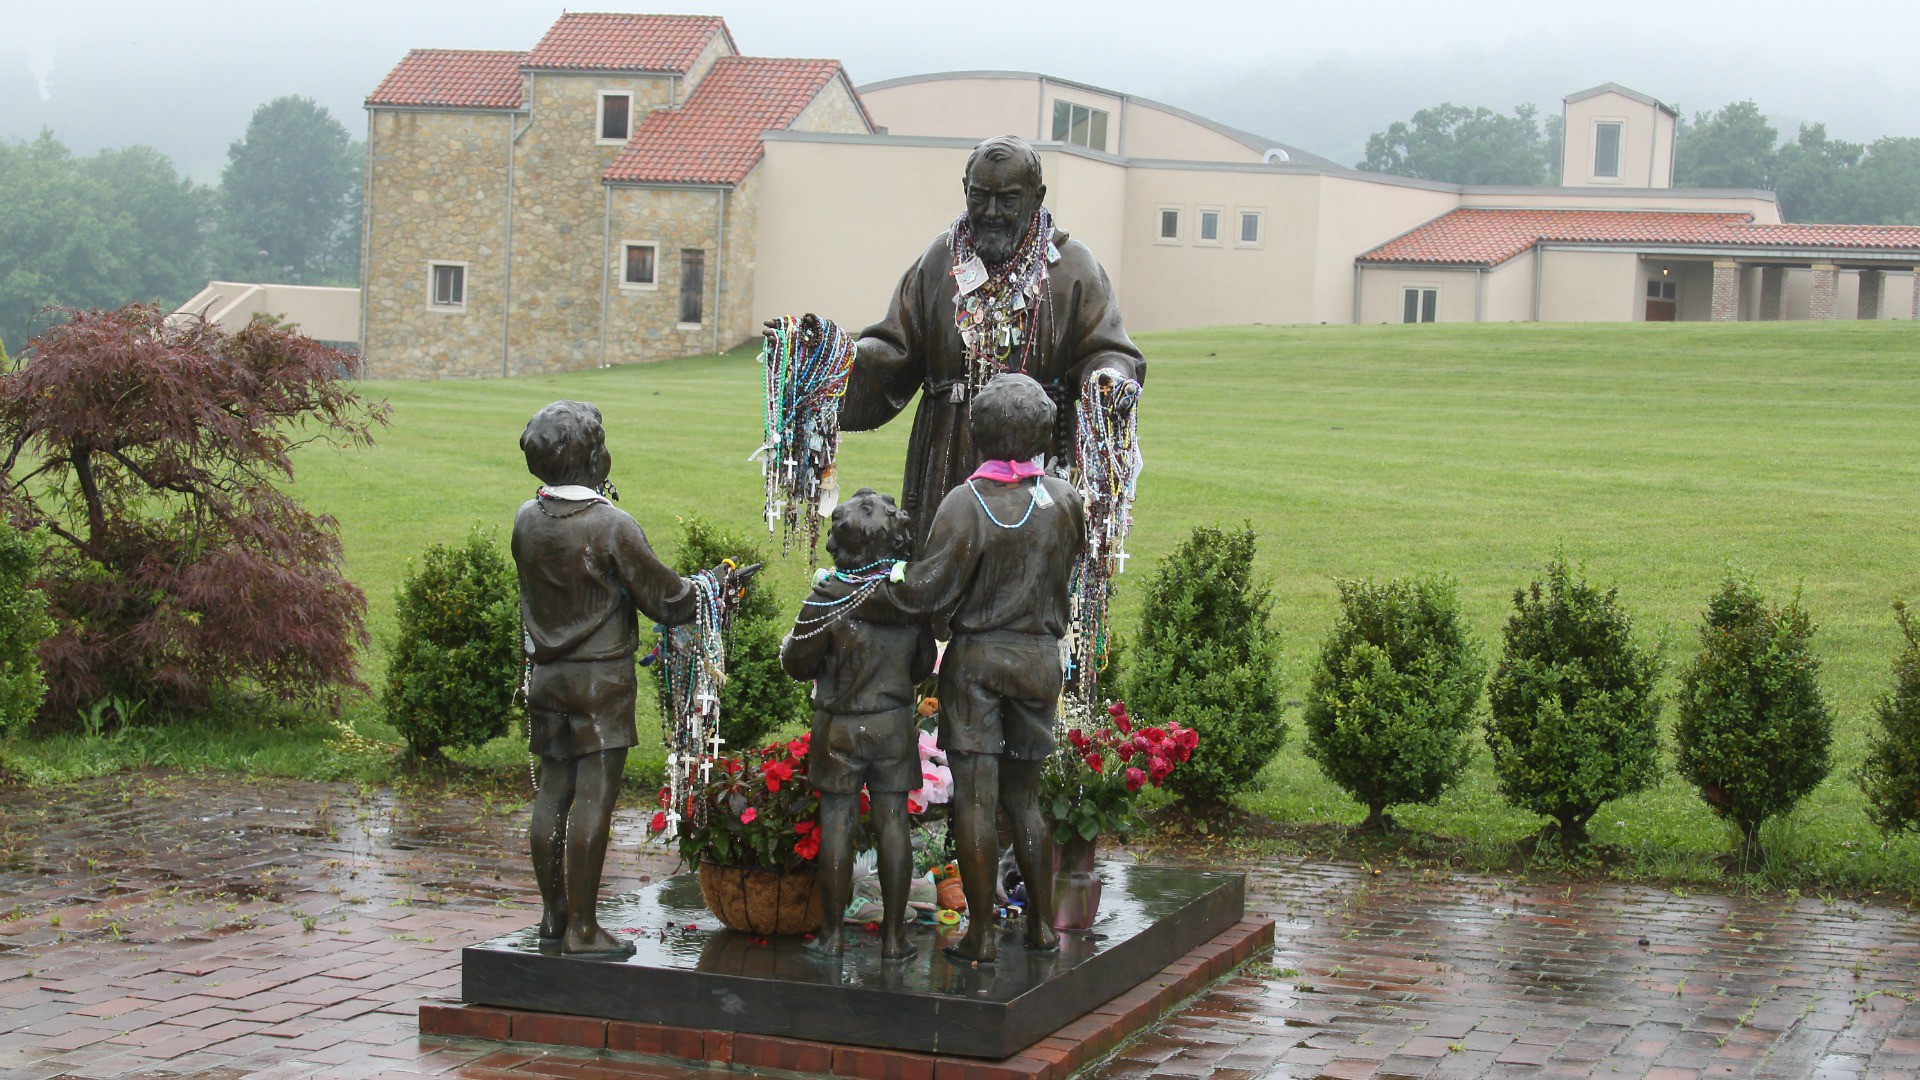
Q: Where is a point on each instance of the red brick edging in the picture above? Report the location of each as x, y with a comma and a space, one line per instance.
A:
1055, 1057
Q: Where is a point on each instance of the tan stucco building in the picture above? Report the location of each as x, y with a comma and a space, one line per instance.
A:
632, 188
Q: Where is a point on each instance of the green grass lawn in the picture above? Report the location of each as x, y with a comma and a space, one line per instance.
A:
1659, 455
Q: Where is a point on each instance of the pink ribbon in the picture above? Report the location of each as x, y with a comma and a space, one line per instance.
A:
1006, 472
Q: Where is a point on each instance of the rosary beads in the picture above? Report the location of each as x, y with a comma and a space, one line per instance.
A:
807, 361
1107, 472
996, 310
693, 659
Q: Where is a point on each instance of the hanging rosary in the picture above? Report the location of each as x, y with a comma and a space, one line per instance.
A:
693, 667
996, 309
807, 361
864, 581
1107, 472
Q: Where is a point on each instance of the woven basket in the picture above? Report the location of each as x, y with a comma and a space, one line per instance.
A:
761, 902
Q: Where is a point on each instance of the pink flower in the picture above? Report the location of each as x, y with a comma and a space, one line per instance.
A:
1135, 778
747, 817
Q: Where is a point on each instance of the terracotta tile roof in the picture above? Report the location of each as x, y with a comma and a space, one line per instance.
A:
454, 79
714, 137
1486, 237
618, 42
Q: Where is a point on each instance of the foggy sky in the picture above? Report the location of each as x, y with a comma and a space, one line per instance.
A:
184, 75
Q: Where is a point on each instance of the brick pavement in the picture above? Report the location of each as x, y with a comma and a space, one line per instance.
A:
168, 926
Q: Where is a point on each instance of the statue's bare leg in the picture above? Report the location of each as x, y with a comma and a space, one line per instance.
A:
547, 837
895, 855
834, 877
1032, 847
976, 791
596, 789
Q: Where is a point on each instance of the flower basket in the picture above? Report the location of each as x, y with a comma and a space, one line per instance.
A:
765, 903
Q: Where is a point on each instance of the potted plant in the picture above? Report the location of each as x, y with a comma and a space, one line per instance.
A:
1088, 790
752, 831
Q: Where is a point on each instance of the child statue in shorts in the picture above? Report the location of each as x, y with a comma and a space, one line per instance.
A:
864, 661
586, 574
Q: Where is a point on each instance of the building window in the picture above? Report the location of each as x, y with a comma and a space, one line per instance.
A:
616, 115
1420, 305
1209, 226
693, 285
1606, 150
1170, 223
1249, 227
1658, 289
640, 265
1079, 125
447, 286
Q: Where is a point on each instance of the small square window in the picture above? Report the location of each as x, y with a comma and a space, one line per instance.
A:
1419, 305
640, 266
1249, 226
1209, 226
616, 114
447, 286
1169, 224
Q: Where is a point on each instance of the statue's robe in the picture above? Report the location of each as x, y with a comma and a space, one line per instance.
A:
918, 347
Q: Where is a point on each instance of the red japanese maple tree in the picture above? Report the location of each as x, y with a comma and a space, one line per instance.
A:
156, 451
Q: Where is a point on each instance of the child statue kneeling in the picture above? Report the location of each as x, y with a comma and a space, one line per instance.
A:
864, 661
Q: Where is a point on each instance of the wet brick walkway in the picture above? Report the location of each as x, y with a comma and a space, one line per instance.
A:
165, 926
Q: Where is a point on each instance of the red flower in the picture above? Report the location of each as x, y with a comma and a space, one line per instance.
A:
808, 847
659, 823
732, 765
914, 807
1158, 767
776, 773
1118, 710
1153, 735
865, 803
1077, 738
747, 817
666, 796
1135, 778
1186, 737
1094, 761
805, 827
1126, 751
797, 748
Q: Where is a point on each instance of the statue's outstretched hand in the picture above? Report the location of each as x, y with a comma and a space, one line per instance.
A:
1118, 392
734, 578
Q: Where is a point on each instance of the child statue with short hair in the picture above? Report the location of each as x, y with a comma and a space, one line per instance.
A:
586, 574
865, 661
996, 566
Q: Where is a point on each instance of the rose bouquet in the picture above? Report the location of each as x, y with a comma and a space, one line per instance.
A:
1099, 768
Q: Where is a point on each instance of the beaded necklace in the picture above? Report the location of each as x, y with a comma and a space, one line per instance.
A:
1033, 500
807, 360
693, 659
997, 308
1107, 474
865, 581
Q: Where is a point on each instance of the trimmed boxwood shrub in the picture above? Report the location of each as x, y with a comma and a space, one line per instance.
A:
23, 626
1890, 777
1575, 722
1394, 693
759, 696
1207, 657
455, 666
1754, 730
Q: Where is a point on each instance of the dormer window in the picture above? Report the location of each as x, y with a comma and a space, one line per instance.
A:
616, 116
1606, 150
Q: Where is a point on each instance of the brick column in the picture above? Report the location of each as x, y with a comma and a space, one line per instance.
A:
1873, 286
1773, 293
1826, 292
1726, 291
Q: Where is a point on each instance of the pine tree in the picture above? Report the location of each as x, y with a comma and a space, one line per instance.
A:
1890, 777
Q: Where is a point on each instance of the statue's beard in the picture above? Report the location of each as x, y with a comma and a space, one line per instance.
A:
995, 243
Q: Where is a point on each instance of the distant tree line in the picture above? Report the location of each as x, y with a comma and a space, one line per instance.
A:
1817, 178
123, 226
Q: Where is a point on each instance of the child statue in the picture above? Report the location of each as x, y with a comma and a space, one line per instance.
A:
586, 573
864, 662
996, 565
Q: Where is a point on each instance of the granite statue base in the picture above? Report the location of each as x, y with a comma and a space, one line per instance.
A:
689, 972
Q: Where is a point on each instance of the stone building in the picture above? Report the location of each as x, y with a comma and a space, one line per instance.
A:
592, 201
